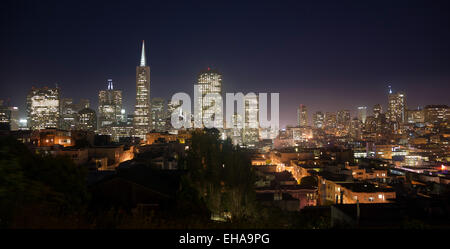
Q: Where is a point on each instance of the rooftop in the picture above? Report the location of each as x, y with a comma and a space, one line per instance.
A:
365, 187
333, 177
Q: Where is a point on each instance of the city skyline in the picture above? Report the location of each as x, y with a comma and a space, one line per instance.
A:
323, 81
193, 118
354, 112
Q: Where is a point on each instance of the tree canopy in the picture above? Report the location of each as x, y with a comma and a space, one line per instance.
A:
221, 175
32, 185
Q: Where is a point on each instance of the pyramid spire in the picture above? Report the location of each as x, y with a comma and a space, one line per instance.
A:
110, 84
143, 61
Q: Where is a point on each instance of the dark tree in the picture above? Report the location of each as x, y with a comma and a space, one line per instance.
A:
34, 186
221, 175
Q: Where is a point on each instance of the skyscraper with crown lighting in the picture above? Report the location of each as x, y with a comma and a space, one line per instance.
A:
396, 107
109, 106
141, 120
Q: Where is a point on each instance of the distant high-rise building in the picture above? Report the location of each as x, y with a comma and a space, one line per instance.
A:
170, 109
302, 116
9, 117
5, 118
343, 118
381, 123
235, 133
109, 106
250, 133
355, 128
158, 114
43, 106
415, 116
209, 82
142, 118
87, 120
330, 120
371, 124
121, 132
396, 107
84, 103
436, 113
68, 114
318, 119
377, 110
362, 114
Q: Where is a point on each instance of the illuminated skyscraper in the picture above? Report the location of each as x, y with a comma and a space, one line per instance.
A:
171, 107
415, 116
302, 116
68, 113
250, 133
330, 120
142, 119
87, 120
158, 114
5, 117
43, 108
209, 81
362, 114
235, 133
437, 113
9, 116
377, 110
318, 119
355, 128
396, 107
109, 106
343, 119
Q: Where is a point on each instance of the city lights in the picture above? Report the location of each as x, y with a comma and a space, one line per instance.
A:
233, 124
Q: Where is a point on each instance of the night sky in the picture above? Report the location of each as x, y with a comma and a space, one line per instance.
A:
328, 55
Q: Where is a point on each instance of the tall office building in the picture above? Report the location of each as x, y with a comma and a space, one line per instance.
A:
362, 114
415, 116
9, 116
302, 116
436, 113
209, 81
158, 114
234, 132
343, 119
318, 119
396, 107
330, 120
170, 109
5, 117
377, 110
43, 106
141, 119
87, 120
250, 133
371, 124
355, 128
84, 103
109, 106
68, 113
